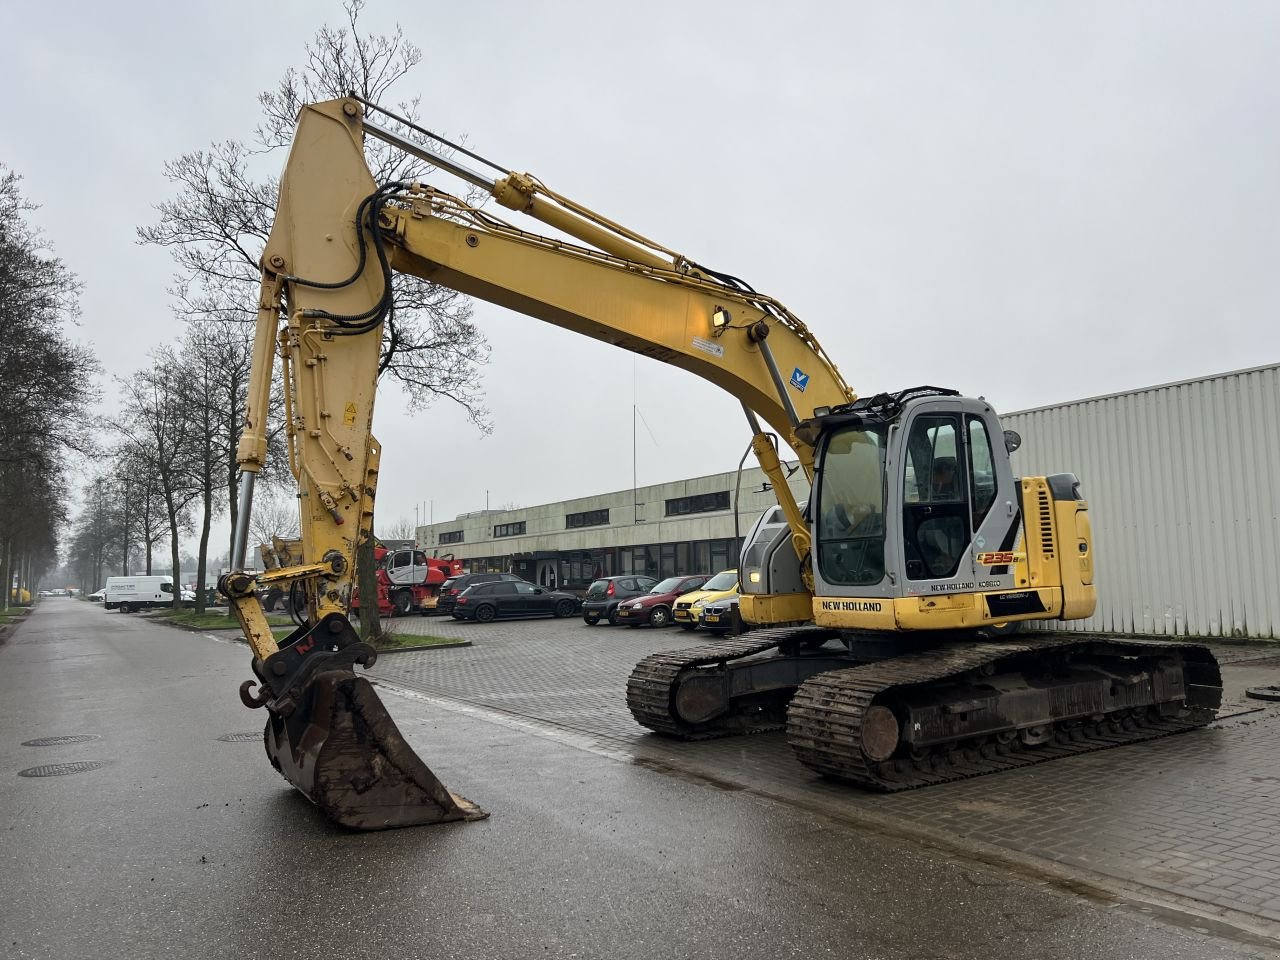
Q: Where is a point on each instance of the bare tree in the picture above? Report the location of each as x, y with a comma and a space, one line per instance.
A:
215, 361
151, 512
218, 223
274, 515
34, 512
48, 384
431, 346
127, 496
401, 529
155, 425
96, 538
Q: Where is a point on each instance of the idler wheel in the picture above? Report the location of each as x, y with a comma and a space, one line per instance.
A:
701, 698
879, 733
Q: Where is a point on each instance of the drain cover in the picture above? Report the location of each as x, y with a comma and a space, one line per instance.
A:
55, 741
62, 769
239, 737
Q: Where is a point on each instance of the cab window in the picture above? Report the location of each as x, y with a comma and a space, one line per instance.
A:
850, 521
982, 470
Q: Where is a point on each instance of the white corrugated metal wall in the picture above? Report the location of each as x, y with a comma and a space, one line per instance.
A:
1183, 484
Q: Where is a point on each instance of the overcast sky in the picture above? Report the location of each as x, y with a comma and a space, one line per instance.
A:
1034, 202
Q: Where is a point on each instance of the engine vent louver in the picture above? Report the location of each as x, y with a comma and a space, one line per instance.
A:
1046, 525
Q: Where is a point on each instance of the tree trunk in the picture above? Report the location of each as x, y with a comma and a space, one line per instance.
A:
367, 584
126, 525
173, 553
5, 573
204, 547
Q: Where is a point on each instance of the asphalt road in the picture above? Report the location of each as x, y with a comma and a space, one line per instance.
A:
185, 845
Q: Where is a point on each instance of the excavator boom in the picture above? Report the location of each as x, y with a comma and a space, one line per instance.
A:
337, 238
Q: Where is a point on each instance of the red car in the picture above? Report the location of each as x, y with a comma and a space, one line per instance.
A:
654, 607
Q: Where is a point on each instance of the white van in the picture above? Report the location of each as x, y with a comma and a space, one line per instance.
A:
137, 593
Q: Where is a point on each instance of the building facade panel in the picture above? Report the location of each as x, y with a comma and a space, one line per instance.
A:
1183, 484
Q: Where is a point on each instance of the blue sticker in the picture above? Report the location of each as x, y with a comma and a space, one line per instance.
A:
799, 379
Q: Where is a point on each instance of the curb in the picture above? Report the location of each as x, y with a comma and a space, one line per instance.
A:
430, 646
165, 621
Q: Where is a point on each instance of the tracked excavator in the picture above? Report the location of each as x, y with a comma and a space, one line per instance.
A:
885, 607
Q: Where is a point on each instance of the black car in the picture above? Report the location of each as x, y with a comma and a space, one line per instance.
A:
721, 616
601, 601
506, 598
452, 588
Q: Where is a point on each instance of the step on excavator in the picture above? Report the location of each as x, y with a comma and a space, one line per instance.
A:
885, 608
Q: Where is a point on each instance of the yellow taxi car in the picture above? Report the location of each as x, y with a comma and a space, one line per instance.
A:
689, 605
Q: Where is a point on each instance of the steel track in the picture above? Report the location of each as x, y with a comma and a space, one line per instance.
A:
825, 716
652, 685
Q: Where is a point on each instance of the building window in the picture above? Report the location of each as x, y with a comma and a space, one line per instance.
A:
651, 552
667, 566
698, 503
591, 518
720, 551
509, 529
452, 536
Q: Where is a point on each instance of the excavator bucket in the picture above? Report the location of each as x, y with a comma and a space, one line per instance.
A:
330, 736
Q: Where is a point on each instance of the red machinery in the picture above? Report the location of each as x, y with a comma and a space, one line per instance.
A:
409, 580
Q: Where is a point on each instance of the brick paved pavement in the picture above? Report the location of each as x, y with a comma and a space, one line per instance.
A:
1196, 816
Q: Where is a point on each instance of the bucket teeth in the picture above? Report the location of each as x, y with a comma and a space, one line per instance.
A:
340, 747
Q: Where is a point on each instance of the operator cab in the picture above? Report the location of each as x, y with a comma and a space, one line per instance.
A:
406, 566
908, 488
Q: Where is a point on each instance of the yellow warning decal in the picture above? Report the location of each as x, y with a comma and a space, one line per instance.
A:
349, 415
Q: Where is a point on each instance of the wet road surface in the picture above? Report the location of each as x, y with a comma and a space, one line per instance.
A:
1190, 821
187, 845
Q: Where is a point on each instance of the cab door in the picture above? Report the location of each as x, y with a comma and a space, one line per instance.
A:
937, 523
400, 566
994, 501
959, 503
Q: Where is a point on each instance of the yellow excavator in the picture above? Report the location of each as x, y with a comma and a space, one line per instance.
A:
885, 607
